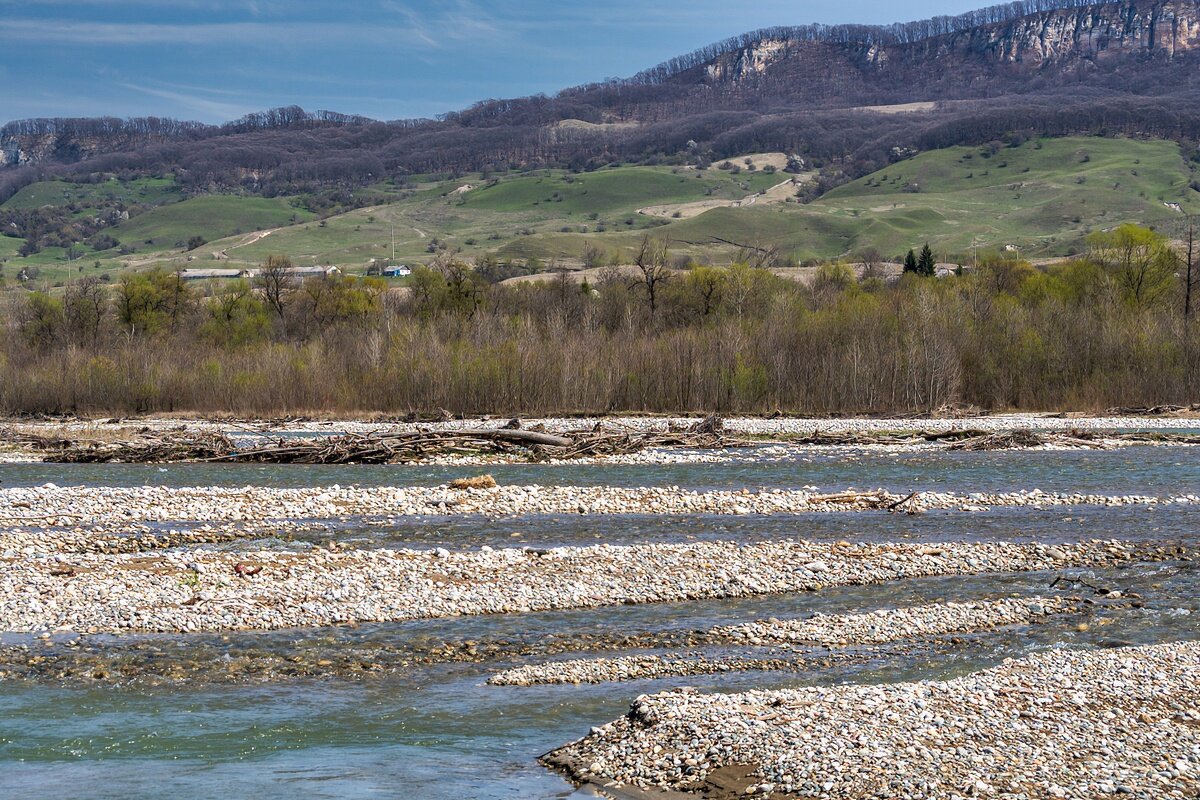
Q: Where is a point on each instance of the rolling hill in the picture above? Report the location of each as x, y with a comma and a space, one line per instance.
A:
1041, 196
209, 217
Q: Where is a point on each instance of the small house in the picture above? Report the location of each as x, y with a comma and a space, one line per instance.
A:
397, 271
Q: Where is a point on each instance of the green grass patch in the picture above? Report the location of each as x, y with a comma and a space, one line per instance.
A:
211, 217
144, 191
9, 246
1043, 197
623, 189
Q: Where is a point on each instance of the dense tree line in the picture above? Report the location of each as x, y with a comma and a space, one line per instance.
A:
1104, 330
89, 127
341, 160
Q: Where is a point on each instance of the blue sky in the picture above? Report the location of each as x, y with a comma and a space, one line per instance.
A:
215, 60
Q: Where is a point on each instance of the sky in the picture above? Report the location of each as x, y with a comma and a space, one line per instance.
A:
216, 60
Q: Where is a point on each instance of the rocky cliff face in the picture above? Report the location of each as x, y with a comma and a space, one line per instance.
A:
1156, 28
1164, 27
19, 145
16, 149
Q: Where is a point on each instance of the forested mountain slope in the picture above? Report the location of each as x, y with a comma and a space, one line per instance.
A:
1046, 67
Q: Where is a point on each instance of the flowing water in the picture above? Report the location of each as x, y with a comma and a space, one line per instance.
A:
435, 730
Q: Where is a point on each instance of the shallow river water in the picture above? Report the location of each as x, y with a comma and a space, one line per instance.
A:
437, 731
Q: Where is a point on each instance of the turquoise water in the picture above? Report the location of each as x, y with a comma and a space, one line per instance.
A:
436, 731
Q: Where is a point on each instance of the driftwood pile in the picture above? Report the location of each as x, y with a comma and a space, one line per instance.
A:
972, 440
393, 448
1152, 411
1021, 439
537, 445
150, 450
143, 446
149, 447
1089, 439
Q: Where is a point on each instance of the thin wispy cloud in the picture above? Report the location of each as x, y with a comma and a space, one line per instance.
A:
263, 34
453, 22
197, 103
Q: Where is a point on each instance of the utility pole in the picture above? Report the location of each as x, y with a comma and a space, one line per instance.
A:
393, 261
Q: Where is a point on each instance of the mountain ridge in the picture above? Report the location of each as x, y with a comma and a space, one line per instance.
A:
1038, 67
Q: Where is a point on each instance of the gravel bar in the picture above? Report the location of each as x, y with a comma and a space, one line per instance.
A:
1059, 724
894, 624
877, 627
210, 591
632, 668
79, 506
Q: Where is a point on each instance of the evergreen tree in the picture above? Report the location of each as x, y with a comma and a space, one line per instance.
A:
910, 262
926, 265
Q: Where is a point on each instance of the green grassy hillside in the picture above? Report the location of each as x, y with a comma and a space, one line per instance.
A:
1043, 197
162, 222
615, 190
547, 213
144, 191
212, 217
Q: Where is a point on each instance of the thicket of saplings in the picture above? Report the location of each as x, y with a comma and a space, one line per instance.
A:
1104, 330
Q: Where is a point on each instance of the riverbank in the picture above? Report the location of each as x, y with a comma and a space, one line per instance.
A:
26, 512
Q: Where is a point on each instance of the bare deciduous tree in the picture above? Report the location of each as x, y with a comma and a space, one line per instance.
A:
86, 303
652, 262
1191, 270
276, 283
593, 256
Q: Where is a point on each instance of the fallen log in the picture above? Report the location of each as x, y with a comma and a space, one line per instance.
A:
896, 505
876, 499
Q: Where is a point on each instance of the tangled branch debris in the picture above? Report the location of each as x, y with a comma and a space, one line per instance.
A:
140, 447
1152, 411
149, 447
1095, 440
